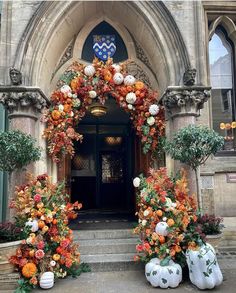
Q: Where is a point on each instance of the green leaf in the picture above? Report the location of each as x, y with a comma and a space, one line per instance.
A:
164, 281
177, 272
208, 262
170, 271
165, 261
154, 273
205, 274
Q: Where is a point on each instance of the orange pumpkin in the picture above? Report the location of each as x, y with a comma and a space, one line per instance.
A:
107, 75
67, 108
54, 221
139, 85
170, 222
41, 224
159, 213
31, 253
162, 239
45, 229
56, 115
29, 270
56, 257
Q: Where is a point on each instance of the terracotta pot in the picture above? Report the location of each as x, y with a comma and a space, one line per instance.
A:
214, 240
6, 250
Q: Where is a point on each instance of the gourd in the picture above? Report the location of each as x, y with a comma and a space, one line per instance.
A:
154, 109
118, 78
163, 276
89, 70
129, 80
161, 228
47, 280
131, 98
204, 271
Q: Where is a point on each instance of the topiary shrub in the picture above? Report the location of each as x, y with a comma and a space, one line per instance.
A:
17, 150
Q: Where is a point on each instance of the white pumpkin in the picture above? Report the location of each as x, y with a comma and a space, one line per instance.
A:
92, 94
204, 271
163, 276
161, 228
129, 80
136, 182
116, 67
65, 89
118, 78
130, 107
151, 121
89, 70
154, 109
33, 224
47, 280
130, 98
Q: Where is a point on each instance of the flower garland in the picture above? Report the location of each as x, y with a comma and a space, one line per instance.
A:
81, 85
167, 218
43, 210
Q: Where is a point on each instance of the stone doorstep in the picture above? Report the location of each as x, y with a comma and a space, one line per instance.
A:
9, 281
107, 246
103, 234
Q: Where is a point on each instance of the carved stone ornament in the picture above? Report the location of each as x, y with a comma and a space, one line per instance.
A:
185, 100
135, 70
189, 77
15, 76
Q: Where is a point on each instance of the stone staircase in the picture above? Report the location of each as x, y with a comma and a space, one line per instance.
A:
108, 250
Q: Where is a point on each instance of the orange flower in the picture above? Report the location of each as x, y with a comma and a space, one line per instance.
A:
170, 222
159, 213
56, 115
29, 270
155, 236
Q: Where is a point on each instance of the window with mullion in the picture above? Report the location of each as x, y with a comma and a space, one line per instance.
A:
222, 64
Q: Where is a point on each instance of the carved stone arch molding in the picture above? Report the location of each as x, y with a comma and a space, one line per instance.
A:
228, 25
55, 24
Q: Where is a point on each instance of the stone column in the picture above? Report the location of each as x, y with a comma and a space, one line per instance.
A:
182, 105
24, 105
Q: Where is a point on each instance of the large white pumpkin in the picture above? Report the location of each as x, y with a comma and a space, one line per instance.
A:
163, 276
161, 228
136, 182
66, 89
47, 280
33, 224
154, 109
129, 80
204, 271
130, 98
89, 70
118, 78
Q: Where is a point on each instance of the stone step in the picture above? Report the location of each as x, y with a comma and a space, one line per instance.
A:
103, 234
111, 262
107, 246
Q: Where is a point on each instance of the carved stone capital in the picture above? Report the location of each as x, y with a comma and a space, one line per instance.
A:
23, 101
184, 100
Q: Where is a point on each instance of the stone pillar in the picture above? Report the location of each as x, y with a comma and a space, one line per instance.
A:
24, 105
182, 106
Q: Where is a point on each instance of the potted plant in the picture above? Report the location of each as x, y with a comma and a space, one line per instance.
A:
17, 150
192, 145
212, 227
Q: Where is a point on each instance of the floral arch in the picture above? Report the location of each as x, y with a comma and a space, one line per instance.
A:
81, 85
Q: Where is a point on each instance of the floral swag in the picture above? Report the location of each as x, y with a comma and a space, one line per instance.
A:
82, 85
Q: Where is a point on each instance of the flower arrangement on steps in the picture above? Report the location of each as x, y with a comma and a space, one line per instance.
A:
170, 233
47, 252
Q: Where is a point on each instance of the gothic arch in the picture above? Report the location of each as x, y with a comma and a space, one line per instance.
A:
55, 24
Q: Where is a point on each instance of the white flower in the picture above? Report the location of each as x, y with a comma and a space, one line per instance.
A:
154, 109
52, 263
92, 94
146, 213
174, 204
136, 182
65, 89
139, 220
71, 114
74, 96
164, 219
167, 250
29, 240
61, 108
130, 107
151, 120
144, 222
70, 95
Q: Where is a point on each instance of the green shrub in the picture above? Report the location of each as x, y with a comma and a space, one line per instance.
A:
17, 150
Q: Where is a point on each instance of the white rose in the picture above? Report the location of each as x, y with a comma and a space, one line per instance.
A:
61, 108
154, 109
92, 94
164, 219
136, 182
74, 96
146, 213
174, 204
144, 222
151, 121
139, 220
